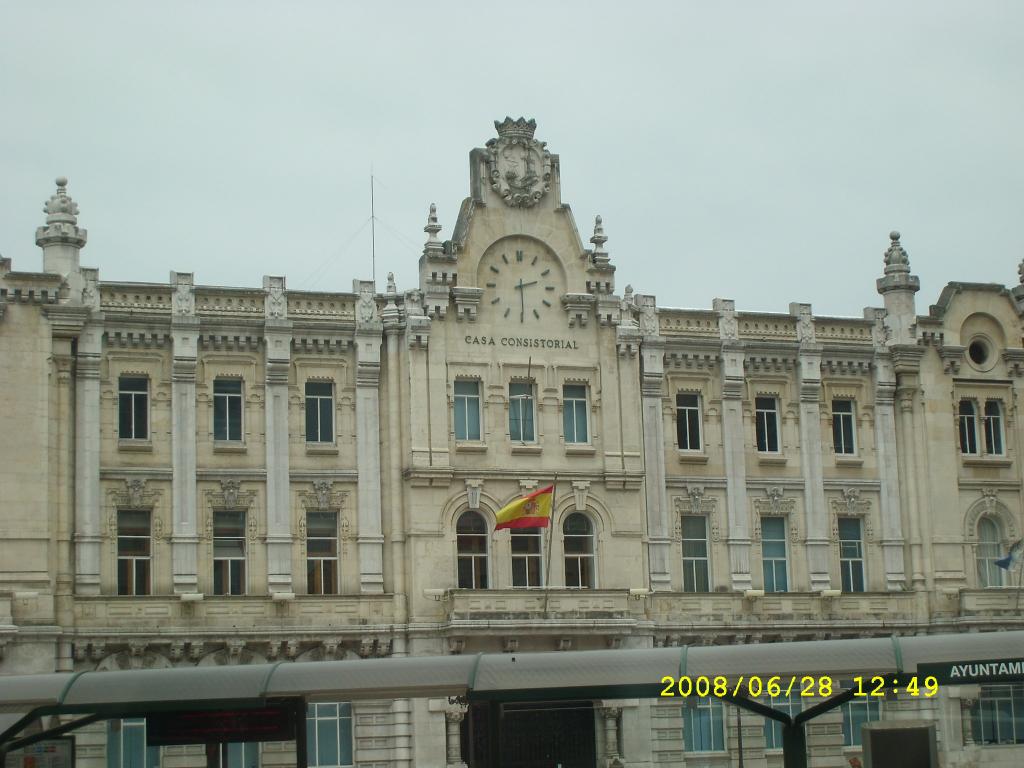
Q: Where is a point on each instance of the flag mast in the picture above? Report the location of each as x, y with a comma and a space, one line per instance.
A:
551, 539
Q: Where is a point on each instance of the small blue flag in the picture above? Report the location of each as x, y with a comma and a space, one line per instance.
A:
1013, 559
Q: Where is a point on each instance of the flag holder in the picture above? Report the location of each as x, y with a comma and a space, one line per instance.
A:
551, 541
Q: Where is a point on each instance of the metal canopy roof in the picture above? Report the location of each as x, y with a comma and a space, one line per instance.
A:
606, 674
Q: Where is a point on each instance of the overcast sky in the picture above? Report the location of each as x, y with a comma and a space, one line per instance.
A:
759, 151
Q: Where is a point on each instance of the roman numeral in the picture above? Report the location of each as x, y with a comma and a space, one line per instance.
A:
519, 255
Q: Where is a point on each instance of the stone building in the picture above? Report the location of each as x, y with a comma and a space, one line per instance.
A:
195, 474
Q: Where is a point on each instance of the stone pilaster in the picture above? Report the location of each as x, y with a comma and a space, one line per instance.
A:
277, 343
815, 512
907, 363
185, 347
453, 717
733, 378
87, 460
610, 715
659, 529
370, 538
391, 317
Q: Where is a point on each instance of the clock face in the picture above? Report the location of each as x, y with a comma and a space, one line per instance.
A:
520, 281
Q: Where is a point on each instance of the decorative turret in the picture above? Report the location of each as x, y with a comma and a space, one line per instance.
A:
61, 239
898, 288
600, 256
433, 247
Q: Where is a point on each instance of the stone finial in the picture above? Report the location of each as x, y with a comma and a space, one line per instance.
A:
599, 238
392, 286
896, 259
61, 219
1020, 271
433, 246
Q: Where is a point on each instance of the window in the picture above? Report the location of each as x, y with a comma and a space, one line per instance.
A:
526, 557
703, 725
471, 543
133, 408
520, 412
688, 421
467, 410
695, 554
767, 414
998, 715
329, 735
851, 554
574, 413
968, 419
234, 755
993, 427
842, 426
228, 553
856, 712
792, 706
126, 745
319, 412
133, 552
227, 409
990, 549
578, 543
773, 551
322, 553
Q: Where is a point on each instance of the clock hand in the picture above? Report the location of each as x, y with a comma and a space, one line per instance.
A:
523, 285
522, 301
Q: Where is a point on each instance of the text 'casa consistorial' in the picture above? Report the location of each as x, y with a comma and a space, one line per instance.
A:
523, 341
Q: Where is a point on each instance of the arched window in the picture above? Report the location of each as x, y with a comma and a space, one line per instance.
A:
990, 549
471, 540
578, 544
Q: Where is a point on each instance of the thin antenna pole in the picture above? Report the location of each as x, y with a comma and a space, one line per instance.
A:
373, 236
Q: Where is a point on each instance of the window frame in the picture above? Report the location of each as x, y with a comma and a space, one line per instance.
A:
984, 562
526, 406
584, 562
465, 400
761, 424
531, 560
992, 428
116, 730
314, 719
791, 705
580, 411
774, 560
694, 422
319, 574
851, 737
715, 724
138, 401
227, 577
848, 564
227, 398
479, 562
967, 427
318, 402
844, 427
995, 694
693, 561
133, 562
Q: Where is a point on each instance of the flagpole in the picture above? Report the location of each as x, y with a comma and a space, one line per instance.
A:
551, 540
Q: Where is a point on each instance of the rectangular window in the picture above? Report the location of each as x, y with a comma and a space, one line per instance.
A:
851, 554
234, 755
319, 412
322, 553
842, 427
767, 415
574, 413
134, 549
126, 745
703, 726
695, 554
856, 712
329, 735
227, 409
133, 408
520, 412
998, 715
968, 419
526, 557
791, 705
773, 551
993, 421
467, 410
228, 553
688, 421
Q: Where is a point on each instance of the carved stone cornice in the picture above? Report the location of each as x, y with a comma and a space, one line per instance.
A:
467, 302
578, 307
951, 357
906, 358
1014, 359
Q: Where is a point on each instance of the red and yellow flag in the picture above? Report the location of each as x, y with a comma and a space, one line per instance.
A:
533, 511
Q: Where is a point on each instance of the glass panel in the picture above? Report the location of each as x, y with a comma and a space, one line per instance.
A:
220, 418
576, 524
124, 416
321, 524
694, 527
461, 432
471, 522
327, 742
227, 386
319, 388
125, 578
466, 573
312, 421
224, 548
693, 429
326, 420
237, 577
228, 523
131, 522
235, 418
141, 425
849, 529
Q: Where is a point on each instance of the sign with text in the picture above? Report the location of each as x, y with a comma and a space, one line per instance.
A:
49, 753
989, 671
273, 723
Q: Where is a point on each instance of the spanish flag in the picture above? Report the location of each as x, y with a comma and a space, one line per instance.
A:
533, 511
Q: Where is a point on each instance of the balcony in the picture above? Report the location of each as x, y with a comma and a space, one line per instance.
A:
998, 601
601, 609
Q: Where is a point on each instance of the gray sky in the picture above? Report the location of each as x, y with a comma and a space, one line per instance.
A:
759, 151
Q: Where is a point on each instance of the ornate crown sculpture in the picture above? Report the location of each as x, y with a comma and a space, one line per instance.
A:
516, 129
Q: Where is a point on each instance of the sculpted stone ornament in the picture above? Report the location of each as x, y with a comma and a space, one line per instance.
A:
366, 307
519, 165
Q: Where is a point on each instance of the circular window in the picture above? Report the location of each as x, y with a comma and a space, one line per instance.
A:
978, 352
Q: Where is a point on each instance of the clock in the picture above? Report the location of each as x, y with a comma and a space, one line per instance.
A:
520, 281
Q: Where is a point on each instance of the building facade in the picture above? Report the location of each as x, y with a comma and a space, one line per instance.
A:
207, 475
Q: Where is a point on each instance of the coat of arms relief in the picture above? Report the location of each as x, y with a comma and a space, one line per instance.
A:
519, 165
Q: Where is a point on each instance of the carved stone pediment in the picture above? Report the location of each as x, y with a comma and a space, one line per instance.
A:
134, 495
697, 502
850, 504
323, 497
774, 503
230, 496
